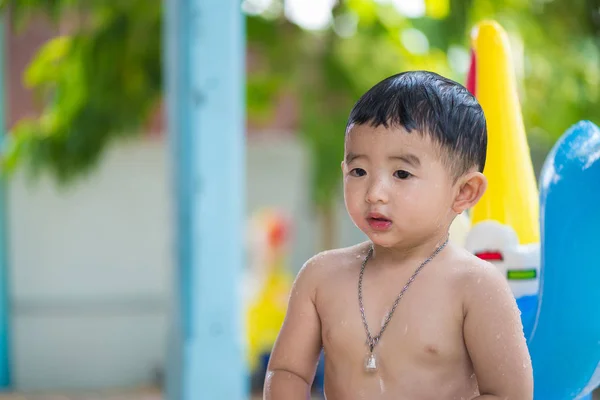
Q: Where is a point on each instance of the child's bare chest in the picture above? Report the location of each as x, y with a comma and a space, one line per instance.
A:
426, 326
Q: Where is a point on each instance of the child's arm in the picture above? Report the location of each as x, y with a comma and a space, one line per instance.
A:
494, 338
296, 352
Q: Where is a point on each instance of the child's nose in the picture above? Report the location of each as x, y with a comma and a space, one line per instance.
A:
377, 192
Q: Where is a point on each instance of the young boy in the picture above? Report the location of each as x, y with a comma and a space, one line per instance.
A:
406, 315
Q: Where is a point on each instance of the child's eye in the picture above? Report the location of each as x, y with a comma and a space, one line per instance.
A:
358, 172
400, 174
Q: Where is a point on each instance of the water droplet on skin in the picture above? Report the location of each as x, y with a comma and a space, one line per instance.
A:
498, 336
268, 381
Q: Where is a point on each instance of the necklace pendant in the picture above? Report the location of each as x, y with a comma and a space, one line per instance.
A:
371, 363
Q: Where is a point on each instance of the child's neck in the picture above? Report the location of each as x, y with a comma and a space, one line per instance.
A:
407, 253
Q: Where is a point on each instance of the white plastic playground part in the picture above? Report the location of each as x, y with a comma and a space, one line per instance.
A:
498, 244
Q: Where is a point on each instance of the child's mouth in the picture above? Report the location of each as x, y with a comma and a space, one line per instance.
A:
378, 222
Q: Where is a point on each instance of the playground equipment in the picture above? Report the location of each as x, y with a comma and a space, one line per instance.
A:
565, 342
271, 280
505, 228
556, 285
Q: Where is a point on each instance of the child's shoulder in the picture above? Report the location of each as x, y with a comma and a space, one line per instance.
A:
478, 279
469, 266
320, 269
337, 258
333, 261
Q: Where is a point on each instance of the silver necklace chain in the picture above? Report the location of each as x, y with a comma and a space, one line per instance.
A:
373, 340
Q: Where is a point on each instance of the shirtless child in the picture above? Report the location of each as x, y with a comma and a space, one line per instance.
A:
414, 152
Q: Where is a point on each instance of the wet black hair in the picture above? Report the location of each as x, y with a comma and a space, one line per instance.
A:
432, 105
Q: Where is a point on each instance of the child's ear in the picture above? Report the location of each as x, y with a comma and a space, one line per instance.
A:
471, 188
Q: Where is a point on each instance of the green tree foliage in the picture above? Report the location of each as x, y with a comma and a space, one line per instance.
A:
97, 84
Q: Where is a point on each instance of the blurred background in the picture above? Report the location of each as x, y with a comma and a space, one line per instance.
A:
89, 229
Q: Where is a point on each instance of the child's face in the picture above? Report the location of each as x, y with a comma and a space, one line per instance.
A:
396, 188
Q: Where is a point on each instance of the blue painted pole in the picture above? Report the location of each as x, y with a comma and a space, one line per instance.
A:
205, 69
5, 380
